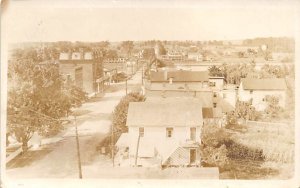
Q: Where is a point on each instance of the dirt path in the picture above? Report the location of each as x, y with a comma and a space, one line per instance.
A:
59, 159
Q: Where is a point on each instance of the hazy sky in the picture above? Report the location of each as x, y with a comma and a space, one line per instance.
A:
174, 23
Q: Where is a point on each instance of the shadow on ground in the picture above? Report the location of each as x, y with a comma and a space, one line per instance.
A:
26, 159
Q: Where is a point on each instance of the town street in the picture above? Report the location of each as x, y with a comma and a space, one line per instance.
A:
58, 159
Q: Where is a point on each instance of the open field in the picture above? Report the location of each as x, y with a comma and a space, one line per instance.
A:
276, 141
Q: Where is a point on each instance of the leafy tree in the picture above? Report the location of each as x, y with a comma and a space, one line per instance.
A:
161, 49
213, 149
127, 46
111, 54
121, 110
273, 109
37, 98
215, 71
245, 110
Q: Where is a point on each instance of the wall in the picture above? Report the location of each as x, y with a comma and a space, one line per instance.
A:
219, 82
230, 96
259, 95
158, 134
88, 72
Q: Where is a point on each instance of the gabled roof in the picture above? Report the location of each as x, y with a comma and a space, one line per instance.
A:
188, 76
169, 113
264, 84
179, 76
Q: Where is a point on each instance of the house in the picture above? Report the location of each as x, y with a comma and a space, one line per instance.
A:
195, 56
228, 97
255, 90
216, 82
82, 69
161, 135
168, 84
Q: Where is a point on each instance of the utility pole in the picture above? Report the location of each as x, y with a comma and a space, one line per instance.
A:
142, 74
112, 145
126, 85
78, 150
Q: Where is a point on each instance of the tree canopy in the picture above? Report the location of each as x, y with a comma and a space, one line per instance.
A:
37, 97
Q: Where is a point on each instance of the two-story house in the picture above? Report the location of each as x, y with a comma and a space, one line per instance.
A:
180, 83
255, 90
162, 133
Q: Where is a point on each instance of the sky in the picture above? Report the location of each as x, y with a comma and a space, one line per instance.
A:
36, 23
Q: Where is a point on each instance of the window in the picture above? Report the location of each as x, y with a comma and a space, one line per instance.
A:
224, 95
193, 133
141, 131
215, 94
251, 91
215, 105
212, 84
169, 132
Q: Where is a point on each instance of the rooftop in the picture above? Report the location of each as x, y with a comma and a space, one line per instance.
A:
184, 112
179, 76
264, 84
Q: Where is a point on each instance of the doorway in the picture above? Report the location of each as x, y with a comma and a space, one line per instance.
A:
192, 156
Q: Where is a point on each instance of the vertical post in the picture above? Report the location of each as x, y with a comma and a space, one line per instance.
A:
112, 145
126, 85
142, 74
78, 150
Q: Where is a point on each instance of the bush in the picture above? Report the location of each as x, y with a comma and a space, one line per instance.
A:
119, 77
213, 150
121, 110
239, 151
218, 148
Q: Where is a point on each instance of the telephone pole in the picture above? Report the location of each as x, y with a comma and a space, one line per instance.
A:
78, 149
112, 145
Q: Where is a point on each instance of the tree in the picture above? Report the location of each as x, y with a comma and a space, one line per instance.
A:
120, 112
273, 109
111, 54
245, 110
213, 148
127, 46
37, 99
161, 49
215, 71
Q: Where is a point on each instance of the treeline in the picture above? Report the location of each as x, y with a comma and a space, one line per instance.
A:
233, 73
280, 44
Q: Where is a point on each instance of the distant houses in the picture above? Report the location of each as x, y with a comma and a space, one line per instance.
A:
256, 90
162, 133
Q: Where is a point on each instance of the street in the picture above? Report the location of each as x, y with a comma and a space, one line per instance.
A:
59, 159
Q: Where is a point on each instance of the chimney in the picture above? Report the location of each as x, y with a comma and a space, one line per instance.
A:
165, 75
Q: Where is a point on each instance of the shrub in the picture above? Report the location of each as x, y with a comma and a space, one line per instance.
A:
121, 110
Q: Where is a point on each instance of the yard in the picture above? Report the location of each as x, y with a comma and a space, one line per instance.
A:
276, 141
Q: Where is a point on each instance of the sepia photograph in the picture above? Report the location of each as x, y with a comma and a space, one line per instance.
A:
196, 92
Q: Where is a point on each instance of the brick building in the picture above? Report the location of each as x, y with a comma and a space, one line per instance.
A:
82, 69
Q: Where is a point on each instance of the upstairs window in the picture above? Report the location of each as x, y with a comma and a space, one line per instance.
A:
169, 132
215, 105
141, 131
251, 91
215, 94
